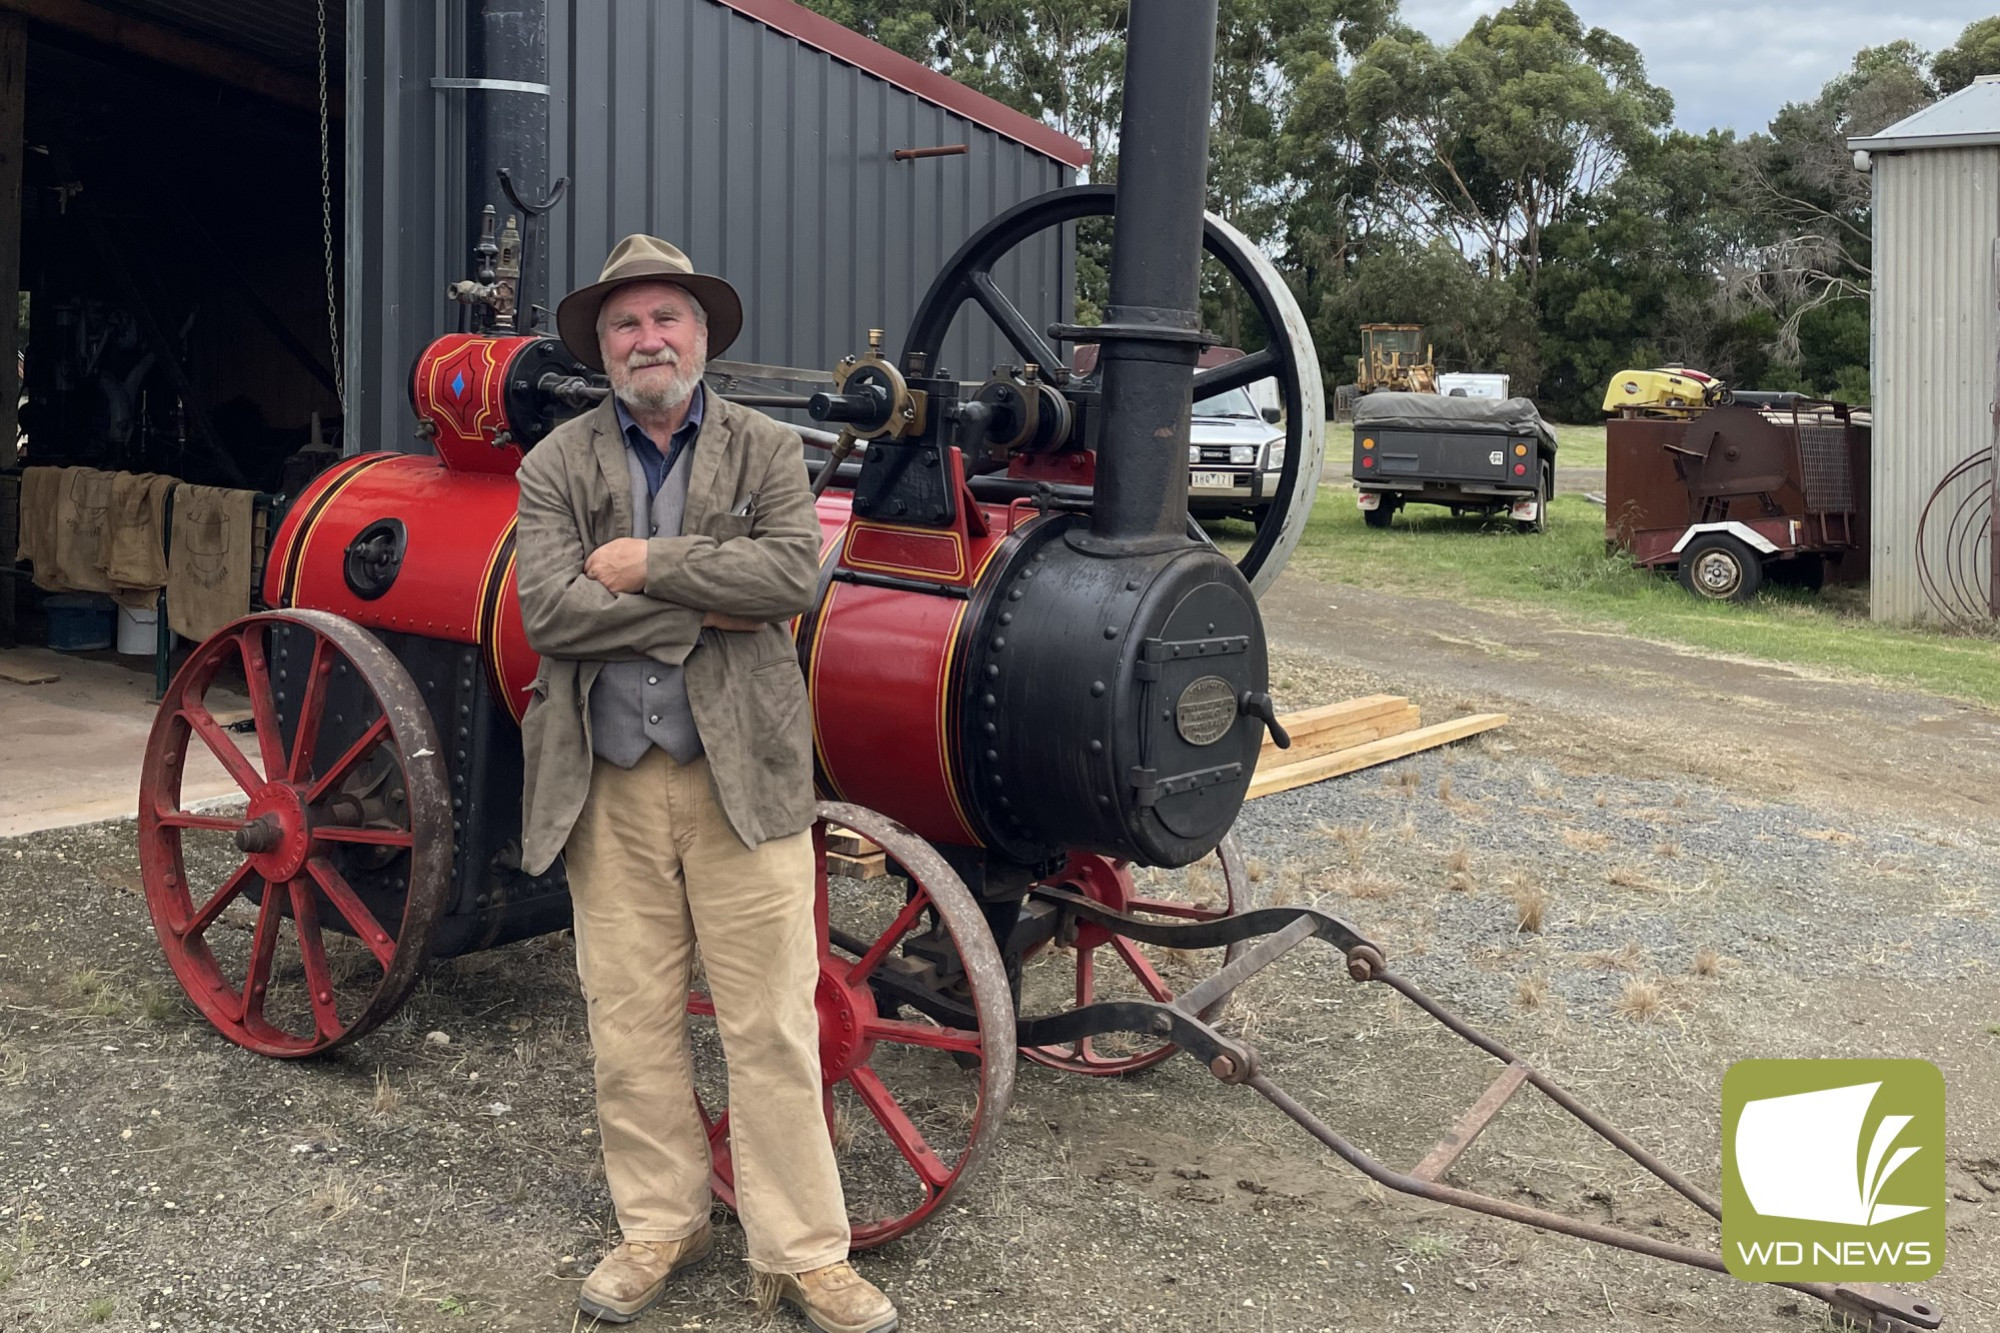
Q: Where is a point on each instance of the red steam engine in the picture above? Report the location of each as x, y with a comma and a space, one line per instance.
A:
1028, 675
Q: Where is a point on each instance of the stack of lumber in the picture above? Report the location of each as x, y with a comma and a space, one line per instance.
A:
850, 854
1357, 733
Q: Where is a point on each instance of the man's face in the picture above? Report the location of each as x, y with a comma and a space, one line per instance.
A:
654, 343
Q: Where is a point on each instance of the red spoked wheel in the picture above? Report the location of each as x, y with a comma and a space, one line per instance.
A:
1098, 965
303, 921
913, 1103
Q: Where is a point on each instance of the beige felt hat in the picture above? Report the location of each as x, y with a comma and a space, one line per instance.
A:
646, 259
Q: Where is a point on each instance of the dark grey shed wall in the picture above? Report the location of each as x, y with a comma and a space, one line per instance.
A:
766, 159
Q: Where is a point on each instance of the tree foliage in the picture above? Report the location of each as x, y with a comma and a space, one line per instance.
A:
1520, 190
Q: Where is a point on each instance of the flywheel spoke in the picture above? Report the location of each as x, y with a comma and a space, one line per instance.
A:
364, 745
257, 979
312, 958
350, 906
1142, 969
902, 1131
896, 1030
905, 921
237, 764
188, 819
311, 708
363, 836
221, 898
263, 704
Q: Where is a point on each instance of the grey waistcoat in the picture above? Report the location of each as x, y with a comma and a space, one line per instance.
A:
637, 705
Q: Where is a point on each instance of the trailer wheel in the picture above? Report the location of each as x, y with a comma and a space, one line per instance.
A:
1719, 568
1382, 514
1544, 493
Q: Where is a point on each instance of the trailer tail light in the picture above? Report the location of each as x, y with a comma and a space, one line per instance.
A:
1368, 462
1367, 443
1520, 449
1520, 469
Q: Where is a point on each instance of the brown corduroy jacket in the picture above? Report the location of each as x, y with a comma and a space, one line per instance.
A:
749, 547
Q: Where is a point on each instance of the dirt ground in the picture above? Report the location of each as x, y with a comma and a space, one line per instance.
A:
1729, 859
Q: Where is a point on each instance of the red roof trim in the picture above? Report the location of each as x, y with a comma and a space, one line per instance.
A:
816, 30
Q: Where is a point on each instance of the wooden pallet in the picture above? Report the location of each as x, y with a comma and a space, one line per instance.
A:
1355, 734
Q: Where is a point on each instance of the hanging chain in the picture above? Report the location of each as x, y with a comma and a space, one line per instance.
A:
326, 225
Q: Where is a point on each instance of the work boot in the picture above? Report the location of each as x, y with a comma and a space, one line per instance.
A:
834, 1299
633, 1276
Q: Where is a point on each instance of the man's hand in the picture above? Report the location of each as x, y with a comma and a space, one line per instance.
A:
619, 565
735, 624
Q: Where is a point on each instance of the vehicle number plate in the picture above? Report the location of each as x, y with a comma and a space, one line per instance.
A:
1222, 480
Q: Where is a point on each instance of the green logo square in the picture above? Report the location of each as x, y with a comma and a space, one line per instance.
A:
1833, 1170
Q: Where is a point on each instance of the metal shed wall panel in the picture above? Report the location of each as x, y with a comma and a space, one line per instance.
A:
1934, 338
767, 160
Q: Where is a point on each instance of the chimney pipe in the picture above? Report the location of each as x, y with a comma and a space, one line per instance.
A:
1152, 335
507, 122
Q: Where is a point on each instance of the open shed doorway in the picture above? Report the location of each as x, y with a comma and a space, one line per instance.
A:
181, 262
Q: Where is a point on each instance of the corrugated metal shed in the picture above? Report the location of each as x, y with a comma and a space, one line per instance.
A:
1935, 336
765, 155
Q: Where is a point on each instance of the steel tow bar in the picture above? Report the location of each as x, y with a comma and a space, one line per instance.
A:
1876, 1309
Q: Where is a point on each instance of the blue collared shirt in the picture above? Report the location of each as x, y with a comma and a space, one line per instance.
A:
657, 464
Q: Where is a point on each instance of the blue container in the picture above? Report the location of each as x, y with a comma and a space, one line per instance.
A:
79, 622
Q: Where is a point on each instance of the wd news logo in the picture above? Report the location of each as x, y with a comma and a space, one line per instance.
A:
1833, 1170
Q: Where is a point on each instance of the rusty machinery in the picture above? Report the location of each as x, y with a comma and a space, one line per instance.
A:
1732, 488
1028, 678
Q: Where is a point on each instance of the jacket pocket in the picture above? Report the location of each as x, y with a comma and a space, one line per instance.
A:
778, 690
727, 527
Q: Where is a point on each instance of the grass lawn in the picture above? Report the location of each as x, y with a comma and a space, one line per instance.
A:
1580, 446
1566, 570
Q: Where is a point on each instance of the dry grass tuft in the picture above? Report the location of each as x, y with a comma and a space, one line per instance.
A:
1602, 799
1581, 841
334, 1199
1680, 801
1408, 780
1354, 841
1707, 962
1626, 959
1407, 830
1256, 869
1668, 849
1369, 886
1641, 1000
387, 1097
1444, 788
1461, 883
1532, 992
1531, 903
1460, 860
1544, 789
1626, 877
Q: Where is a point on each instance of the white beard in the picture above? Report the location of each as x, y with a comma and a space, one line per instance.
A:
660, 395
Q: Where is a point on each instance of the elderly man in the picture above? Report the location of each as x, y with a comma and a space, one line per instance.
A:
665, 539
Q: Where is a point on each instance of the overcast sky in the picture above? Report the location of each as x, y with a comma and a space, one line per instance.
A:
1734, 65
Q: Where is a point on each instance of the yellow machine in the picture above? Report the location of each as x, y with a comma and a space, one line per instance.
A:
1671, 391
1395, 357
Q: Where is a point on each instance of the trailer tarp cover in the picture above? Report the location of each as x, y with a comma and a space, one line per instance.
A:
1431, 411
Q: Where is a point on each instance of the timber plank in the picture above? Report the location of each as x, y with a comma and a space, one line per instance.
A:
1315, 744
1288, 776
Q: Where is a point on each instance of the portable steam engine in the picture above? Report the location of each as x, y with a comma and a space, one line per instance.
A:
1028, 674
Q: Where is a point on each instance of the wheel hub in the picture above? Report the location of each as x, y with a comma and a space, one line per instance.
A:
845, 1012
276, 832
1717, 574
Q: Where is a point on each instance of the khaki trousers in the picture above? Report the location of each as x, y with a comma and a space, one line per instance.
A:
654, 870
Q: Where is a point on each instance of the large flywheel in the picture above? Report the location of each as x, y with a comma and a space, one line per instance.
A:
1289, 358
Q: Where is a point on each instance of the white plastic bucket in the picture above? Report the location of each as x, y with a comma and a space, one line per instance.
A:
138, 631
